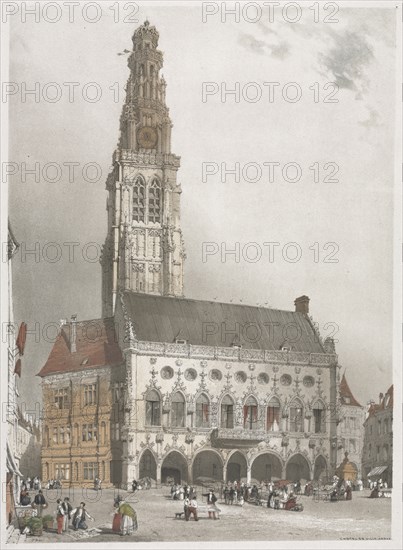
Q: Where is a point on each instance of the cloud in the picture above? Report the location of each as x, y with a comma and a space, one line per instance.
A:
252, 44
280, 50
347, 59
372, 121
266, 29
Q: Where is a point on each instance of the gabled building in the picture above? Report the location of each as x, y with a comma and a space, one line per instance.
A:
377, 454
82, 388
350, 430
204, 407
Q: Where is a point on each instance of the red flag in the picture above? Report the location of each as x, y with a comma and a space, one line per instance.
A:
17, 369
21, 338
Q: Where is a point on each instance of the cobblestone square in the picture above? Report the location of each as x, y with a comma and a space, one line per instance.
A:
361, 517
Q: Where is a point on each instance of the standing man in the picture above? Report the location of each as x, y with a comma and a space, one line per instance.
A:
40, 502
192, 509
211, 506
67, 507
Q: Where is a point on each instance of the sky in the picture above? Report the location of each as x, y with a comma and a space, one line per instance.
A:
347, 215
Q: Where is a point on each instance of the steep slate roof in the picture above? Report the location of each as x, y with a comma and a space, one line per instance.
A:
345, 392
163, 319
386, 403
96, 345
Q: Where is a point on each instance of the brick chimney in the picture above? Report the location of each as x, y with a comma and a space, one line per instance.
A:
302, 304
73, 334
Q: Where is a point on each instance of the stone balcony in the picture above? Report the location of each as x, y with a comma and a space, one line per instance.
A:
235, 354
239, 437
147, 159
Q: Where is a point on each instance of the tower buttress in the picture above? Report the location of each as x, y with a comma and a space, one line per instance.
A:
144, 250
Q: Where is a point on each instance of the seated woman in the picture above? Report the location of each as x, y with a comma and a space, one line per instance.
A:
25, 499
374, 493
334, 496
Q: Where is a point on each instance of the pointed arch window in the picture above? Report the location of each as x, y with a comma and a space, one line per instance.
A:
153, 409
250, 414
273, 415
319, 418
154, 201
296, 417
227, 412
139, 193
202, 411
178, 411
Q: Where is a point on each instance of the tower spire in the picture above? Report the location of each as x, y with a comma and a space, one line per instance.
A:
146, 253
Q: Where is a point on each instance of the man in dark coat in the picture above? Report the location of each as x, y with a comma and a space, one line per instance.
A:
211, 506
39, 502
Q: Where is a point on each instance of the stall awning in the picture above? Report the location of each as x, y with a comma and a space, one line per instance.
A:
377, 471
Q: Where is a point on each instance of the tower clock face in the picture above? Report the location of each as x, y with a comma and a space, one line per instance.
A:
147, 137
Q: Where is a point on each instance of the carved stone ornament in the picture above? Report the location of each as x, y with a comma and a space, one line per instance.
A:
190, 374
167, 373
138, 268
159, 438
189, 438
129, 112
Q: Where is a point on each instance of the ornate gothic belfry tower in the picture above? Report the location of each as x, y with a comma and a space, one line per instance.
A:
144, 249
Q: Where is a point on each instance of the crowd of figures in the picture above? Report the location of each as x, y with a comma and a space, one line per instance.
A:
341, 490
336, 489
28, 484
35, 484
377, 487
180, 492
144, 483
239, 492
124, 520
65, 513
190, 506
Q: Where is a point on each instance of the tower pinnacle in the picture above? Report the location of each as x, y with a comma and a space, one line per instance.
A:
144, 249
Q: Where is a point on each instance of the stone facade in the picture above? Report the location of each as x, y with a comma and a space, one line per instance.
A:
227, 413
350, 429
378, 438
261, 439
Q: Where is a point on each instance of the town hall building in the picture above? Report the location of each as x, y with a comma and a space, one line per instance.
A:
168, 387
